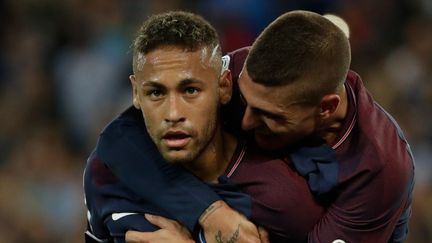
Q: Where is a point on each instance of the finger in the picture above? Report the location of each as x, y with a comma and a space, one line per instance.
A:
161, 222
138, 237
264, 235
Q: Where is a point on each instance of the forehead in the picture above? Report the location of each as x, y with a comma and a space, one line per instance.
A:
267, 98
170, 60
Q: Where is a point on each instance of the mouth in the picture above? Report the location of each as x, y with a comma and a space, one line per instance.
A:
176, 139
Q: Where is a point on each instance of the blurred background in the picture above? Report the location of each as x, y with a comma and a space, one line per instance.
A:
64, 69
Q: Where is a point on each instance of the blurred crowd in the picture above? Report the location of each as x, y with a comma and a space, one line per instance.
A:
64, 69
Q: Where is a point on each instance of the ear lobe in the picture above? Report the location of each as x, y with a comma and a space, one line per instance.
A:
134, 92
225, 87
136, 103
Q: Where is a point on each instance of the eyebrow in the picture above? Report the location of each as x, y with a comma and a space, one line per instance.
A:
184, 82
261, 111
268, 113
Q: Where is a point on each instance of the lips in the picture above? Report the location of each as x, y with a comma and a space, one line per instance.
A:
176, 139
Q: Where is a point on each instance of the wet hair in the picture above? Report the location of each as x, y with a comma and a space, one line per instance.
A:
302, 49
176, 28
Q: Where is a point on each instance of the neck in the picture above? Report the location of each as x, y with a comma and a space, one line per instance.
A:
335, 126
215, 158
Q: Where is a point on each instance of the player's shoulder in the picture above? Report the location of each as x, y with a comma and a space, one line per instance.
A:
378, 135
240, 53
129, 119
97, 172
119, 131
353, 77
236, 60
112, 146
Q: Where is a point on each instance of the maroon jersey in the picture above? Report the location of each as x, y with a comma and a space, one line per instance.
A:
371, 200
376, 173
281, 199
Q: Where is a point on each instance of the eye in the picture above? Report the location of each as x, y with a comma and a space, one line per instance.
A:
272, 116
191, 91
154, 93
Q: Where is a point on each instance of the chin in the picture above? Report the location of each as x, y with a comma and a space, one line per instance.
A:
177, 157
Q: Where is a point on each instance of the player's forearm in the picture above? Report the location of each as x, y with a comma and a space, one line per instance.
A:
223, 224
209, 211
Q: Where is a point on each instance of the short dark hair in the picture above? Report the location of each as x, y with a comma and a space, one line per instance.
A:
186, 30
301, 46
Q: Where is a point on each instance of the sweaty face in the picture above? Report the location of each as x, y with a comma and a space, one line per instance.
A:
277, 119
178, 94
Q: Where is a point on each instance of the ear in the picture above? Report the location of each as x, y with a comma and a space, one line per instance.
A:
134, 91
329, 104
225, 87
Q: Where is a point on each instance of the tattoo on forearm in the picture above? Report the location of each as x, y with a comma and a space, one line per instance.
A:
218, 237
233, 239
209, 211
235, 235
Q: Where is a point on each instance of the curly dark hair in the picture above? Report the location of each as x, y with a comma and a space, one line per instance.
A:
186, 30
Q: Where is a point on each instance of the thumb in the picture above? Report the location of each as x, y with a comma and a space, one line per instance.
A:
137, 237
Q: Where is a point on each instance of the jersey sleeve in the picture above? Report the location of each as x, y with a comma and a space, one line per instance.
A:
112, 209
118, 224
371, 209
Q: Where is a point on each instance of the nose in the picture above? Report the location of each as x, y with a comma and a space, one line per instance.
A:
250, 119
174, 112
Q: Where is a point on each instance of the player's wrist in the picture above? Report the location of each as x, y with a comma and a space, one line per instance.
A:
211, 213
219, 221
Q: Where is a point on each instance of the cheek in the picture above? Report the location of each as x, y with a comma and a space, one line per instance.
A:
309, 122
205, 115
279, 127
206, 103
